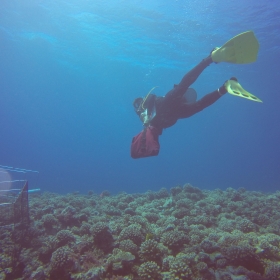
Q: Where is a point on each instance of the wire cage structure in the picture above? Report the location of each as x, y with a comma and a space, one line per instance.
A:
14, 207
14, 215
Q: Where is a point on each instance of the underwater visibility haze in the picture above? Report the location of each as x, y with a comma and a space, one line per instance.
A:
70, 70
207, 207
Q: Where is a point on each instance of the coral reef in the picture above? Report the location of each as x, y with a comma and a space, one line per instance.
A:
184, 233
61, 263
149, 270
150, 251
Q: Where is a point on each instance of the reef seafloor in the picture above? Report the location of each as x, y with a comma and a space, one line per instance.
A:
183, 233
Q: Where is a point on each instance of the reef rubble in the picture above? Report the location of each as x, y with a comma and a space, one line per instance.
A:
181, 233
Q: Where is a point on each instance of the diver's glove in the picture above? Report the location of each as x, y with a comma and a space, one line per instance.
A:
222, 90
144, 117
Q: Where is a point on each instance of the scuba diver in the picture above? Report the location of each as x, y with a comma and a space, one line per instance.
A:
157, 113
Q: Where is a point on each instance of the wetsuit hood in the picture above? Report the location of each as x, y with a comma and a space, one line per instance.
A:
137, 105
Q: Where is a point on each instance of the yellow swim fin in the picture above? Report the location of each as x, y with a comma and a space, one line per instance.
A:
236, 89
241, 49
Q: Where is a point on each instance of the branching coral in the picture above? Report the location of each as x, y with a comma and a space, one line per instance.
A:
120, 261
150, 251
174, 239
62, 262
102, 236
149, 270
132, 232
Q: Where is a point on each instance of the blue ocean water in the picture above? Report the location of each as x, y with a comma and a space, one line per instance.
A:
70, 71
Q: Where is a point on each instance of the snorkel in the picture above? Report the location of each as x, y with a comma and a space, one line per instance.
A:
144, 100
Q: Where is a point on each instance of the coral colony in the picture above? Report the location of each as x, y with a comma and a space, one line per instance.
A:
184, 233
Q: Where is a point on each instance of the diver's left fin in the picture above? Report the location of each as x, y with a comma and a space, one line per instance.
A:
234, 88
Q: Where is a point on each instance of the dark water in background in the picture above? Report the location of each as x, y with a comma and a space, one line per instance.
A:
69, 71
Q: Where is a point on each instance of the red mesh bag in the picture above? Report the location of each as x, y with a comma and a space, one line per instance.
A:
145, 143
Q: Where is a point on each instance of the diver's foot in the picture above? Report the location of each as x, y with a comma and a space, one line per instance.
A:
209, 59
223, 89
234, 79
216, 48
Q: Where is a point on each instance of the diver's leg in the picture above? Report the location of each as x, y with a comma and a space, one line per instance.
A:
178, 91
187, 110
193, 74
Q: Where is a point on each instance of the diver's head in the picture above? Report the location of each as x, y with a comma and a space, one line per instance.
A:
137, 105
140, 110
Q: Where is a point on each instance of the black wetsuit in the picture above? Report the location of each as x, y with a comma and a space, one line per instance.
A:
172, 106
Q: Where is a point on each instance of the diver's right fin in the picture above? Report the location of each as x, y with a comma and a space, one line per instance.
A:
241, 49
234, 88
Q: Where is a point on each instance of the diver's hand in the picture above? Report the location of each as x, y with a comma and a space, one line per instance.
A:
144, 117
